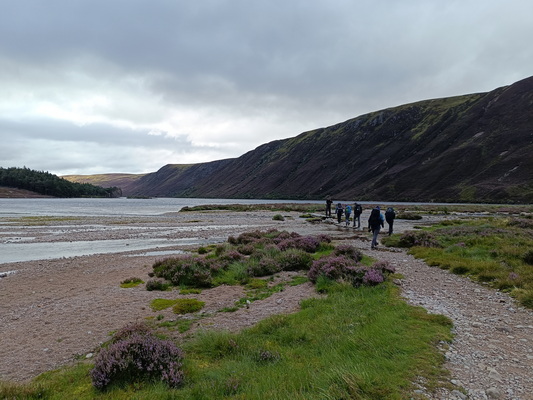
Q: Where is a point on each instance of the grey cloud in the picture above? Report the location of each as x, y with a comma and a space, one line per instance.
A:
279, 66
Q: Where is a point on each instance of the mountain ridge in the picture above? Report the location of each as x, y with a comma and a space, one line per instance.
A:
469, 148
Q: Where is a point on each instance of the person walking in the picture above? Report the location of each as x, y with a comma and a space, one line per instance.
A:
339, 211
357, 211
389, 217
329, 202
348, 212
375, 223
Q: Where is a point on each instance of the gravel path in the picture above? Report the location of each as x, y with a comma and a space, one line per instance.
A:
491, 356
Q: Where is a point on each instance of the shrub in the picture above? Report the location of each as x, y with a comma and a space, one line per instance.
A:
278, 217
295, 260
384, 266
202, 250
186, 306
246, 249
264, 266
157, 284
418, 238
373, 276
309, 244
348, 251
186, 270
331, 267
137, 355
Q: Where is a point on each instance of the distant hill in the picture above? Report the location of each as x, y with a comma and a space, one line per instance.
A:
105, 180
471, 148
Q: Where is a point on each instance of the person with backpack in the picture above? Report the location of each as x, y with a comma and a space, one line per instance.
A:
339, 211
348, 212
329, 202
375, 223
389, 217
357, 211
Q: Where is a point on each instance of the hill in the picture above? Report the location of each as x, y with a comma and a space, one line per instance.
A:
105, 180
471, 148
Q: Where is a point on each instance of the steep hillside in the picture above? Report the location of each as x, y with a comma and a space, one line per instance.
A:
472, 148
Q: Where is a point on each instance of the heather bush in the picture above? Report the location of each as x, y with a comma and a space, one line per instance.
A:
309, 244
295, 260
373, 276
263, 267
157, 284
278, 217
384, 266
135, 328
137, 355
348, 251
246, 249
418, 238
331, 267
186, 270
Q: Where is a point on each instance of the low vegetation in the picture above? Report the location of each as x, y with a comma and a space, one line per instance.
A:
360, 341
131, 282
494, 251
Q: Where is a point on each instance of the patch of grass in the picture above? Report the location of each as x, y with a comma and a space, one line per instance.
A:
298, 280
162, 304
278, 217
131, 282
187, 306
191, 291
257, 284
490, 250
181, 325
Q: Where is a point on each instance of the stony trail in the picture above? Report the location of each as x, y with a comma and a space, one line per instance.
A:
491, 356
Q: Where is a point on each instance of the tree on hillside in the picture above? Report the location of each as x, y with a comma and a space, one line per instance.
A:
52, 185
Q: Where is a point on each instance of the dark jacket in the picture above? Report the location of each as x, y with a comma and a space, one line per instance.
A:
376, 219
390, 215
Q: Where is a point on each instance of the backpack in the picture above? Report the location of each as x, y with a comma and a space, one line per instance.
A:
348, 209
358, 209
374, 218
389, 214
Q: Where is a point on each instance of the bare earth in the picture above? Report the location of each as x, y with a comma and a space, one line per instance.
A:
54, 311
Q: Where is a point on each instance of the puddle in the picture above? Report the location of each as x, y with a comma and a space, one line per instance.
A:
18, 252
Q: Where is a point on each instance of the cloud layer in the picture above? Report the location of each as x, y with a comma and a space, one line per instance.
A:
129, 86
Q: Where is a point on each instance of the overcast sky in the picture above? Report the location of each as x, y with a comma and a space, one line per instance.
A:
101, 86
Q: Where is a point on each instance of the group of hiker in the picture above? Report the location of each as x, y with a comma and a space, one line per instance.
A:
376, 220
